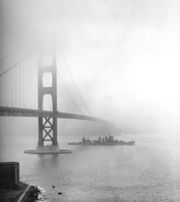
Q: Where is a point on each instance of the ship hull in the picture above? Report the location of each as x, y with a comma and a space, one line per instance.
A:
104, 144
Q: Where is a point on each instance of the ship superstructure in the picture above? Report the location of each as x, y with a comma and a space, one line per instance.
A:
106, 140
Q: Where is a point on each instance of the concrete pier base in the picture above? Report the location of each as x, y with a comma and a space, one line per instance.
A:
48, 149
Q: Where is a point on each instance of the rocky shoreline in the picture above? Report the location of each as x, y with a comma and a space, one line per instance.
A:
21, 193
32, 194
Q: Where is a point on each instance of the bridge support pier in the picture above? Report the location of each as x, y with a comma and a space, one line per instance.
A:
47, 138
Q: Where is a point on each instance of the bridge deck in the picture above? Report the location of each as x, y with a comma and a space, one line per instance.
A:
23, 112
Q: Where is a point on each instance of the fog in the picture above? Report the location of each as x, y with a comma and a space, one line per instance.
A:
123, 55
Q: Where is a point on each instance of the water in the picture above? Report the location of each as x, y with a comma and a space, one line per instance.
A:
148, 171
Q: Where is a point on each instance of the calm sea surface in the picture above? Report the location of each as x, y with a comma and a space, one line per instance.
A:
148, 171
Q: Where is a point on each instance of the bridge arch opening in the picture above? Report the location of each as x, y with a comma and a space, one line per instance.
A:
47, 79
47, 102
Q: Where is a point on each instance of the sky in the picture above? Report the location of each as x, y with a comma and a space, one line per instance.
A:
123, 54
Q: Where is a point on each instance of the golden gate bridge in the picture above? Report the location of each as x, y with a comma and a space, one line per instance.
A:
21, 74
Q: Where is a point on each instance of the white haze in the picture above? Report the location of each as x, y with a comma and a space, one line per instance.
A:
123, 54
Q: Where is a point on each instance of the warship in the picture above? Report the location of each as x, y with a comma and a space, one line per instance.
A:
107, 140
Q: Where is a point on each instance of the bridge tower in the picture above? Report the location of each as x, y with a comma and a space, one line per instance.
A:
47, 124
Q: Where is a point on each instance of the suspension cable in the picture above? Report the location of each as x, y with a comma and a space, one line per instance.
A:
77, 89
13, 66
69, 94
8, 55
